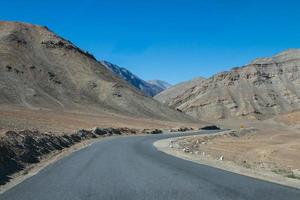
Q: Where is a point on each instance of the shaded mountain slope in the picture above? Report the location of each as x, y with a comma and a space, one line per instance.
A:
145, 87
161, 84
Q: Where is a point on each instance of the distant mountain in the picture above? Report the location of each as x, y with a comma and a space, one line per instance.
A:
39, 69
259, 90
170, 93
161, 84
147, 88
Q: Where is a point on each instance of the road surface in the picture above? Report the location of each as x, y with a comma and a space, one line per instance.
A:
129, 168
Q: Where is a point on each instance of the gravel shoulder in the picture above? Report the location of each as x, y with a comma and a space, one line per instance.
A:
176, 147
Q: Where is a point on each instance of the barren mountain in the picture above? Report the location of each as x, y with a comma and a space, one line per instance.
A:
170, 93
39, 69
145, 87
261, 89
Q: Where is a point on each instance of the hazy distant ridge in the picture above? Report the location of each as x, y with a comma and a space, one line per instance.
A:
149, 88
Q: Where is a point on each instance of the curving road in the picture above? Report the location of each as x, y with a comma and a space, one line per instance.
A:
129, 168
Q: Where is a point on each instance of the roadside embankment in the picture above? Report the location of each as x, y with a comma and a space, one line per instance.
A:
19, 150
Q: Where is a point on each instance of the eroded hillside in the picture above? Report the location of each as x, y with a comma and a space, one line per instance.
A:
265, 87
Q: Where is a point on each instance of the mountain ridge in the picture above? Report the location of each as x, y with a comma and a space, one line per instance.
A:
160, 83
148, 88
263, 88
167, 95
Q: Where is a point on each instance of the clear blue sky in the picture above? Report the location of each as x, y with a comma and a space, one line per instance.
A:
172, 40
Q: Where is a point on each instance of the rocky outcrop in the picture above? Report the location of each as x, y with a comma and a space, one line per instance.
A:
261, 89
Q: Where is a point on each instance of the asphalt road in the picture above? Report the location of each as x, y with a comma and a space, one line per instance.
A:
129, 168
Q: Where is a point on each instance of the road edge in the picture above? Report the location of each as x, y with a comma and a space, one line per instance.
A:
163, 145
47, 160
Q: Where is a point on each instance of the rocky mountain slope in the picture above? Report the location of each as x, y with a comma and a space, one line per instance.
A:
39, 69
261, 89
170, 93
147, 88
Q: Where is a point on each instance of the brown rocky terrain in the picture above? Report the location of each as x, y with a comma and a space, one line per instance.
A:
259, 90
40, 70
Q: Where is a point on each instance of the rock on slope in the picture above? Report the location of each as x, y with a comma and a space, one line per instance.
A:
148, 89
39, 69
169, 94
265, 87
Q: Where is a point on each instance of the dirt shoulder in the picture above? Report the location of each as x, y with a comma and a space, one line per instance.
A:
262, 154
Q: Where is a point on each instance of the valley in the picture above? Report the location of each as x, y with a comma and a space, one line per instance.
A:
63, 112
